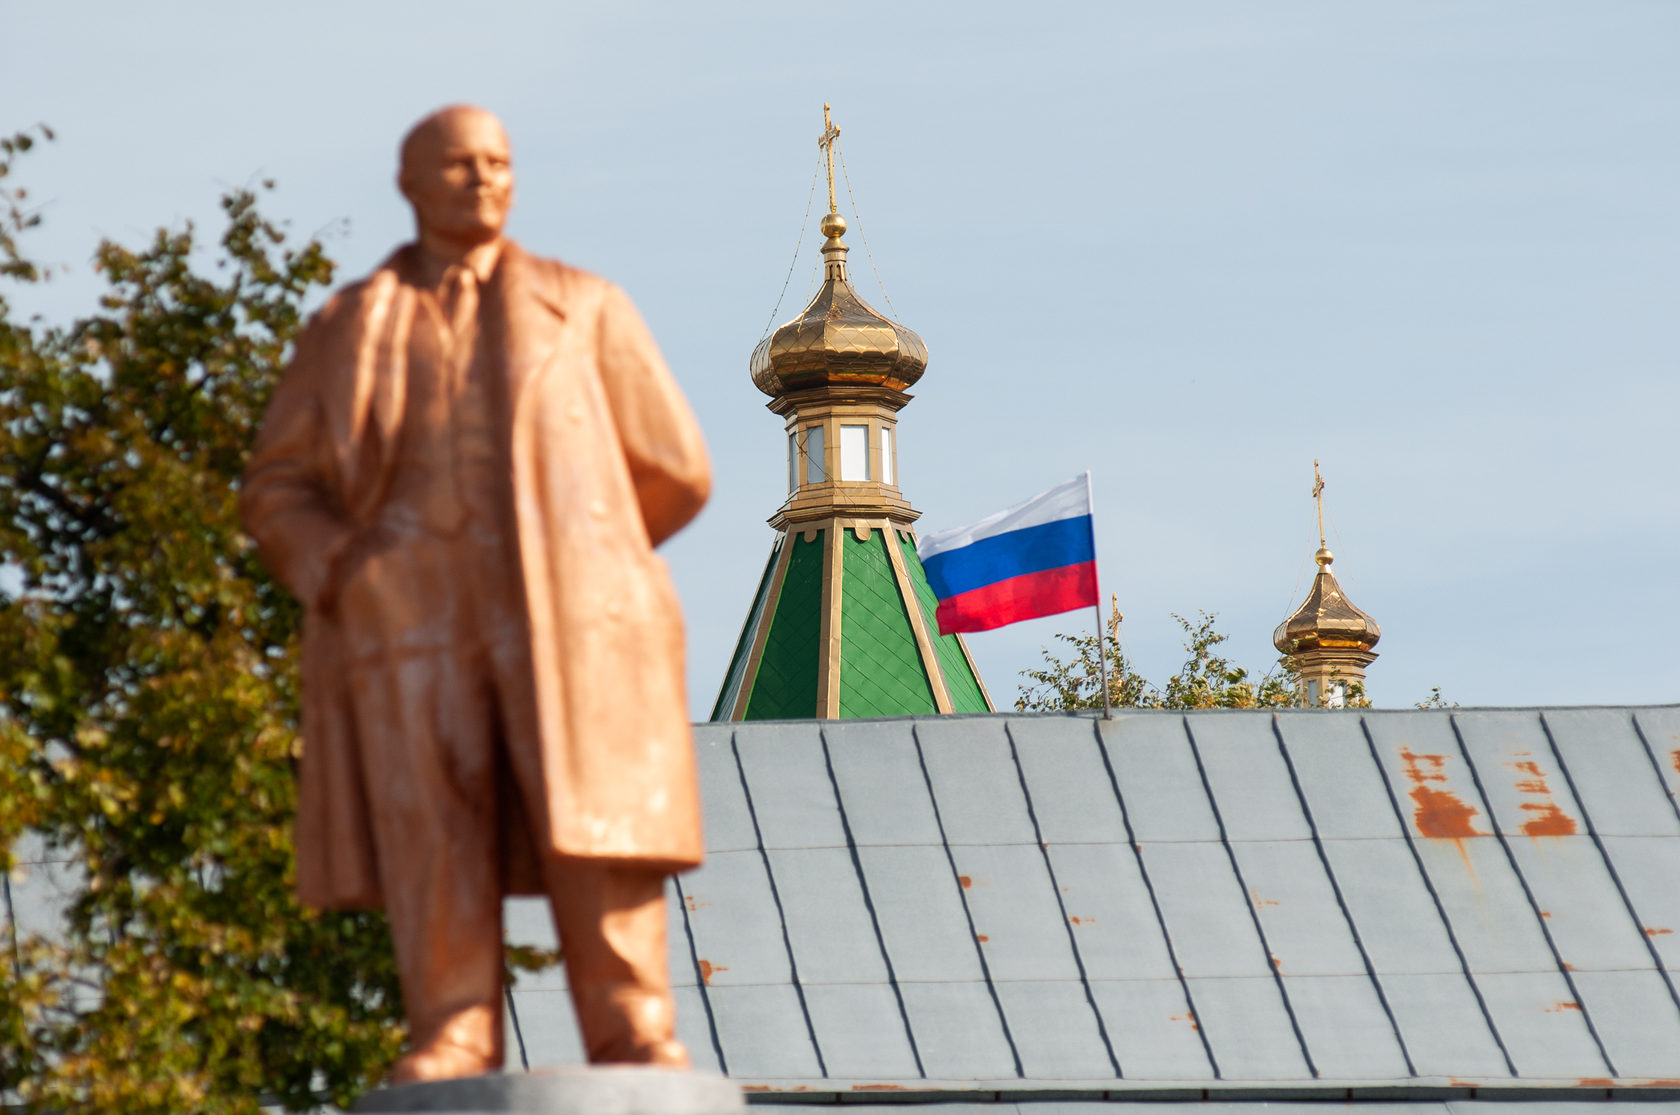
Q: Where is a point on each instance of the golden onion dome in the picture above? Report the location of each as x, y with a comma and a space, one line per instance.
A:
1327, 618
839, 339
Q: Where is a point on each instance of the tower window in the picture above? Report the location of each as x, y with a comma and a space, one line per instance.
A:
854, 453
793, 461
1337, 696
815, 473
1312, 694
888, 476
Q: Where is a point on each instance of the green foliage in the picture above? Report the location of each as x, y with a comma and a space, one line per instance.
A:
1435, 700
1206, 680
148, 699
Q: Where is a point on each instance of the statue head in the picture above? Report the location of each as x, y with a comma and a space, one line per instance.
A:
456, 170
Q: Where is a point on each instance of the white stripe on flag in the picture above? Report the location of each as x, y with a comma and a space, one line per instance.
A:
1064, 501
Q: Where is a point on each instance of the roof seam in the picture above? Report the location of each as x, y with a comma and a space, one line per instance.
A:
1609, 865
1435, 896
699, 976
1253, 914
1341, 901
1061, 904
776, 897
1656, 766
869, 904
968, 914
1154, 900
1528, 893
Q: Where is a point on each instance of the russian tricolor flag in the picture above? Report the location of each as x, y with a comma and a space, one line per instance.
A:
1035, 559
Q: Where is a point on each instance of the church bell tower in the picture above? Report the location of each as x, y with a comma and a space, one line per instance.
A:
842, 623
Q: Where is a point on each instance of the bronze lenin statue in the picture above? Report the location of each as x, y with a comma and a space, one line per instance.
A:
462, 475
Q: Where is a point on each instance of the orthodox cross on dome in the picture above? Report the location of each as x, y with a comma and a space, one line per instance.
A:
826, 142
1318, 498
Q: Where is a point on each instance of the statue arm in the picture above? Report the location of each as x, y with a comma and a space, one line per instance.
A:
661, 439
287, 500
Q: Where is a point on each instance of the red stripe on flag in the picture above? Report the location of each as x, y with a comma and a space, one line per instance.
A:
1026, 597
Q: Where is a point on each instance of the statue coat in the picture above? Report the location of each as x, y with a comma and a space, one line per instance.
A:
606, 463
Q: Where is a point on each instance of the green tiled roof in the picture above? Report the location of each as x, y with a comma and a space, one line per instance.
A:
960, 682
743, 648
881, 671
880, 666
786, 685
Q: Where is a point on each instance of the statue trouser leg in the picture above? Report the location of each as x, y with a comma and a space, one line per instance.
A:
611, 921
430, 758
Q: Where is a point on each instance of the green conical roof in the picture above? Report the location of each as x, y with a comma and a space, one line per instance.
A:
842, 625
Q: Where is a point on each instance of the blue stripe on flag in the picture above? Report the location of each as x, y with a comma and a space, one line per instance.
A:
1011, 554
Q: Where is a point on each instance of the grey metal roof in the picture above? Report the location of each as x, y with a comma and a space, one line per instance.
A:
1420, 904
1051, 911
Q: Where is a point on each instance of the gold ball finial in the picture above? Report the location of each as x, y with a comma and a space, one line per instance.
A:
833, 226
1324, 557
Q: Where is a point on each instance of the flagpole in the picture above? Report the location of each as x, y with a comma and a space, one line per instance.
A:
1102, 639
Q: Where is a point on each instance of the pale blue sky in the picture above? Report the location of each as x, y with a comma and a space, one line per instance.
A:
1189, 246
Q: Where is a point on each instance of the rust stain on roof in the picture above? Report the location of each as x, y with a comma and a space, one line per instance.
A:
981, 937
965, 881
1254, 897
1567, 1004
1595, 1082
1440, 814
1547, 819
1187, 1016
707, 968
1657, 931
877, 1087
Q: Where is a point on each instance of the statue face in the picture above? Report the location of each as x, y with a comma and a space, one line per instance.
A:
457, 172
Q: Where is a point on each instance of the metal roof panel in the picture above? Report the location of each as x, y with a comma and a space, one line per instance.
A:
722, 801
1519, 773
1113, 919
732, 914
791, 794
975, 781
828, 925
1495, 925
1543, 1027
921, 913
861, 1030
763, 1031
1620, 786
1013, 905
1160, 786
1154, 1031
1636, 1018
1251, 783
1070, 789
1304, 925
1584, 911
1340, 781
958, 1031
1446, 1032
1249, 1029
1054, 1024
882, 787
1648, 869
1343, 1022
1205, 910
1392, 910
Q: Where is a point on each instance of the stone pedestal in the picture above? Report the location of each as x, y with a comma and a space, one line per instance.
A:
603, 1090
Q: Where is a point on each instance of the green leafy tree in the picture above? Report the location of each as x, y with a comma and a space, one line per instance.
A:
1206, 680
148, 699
